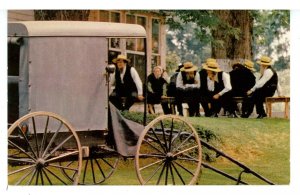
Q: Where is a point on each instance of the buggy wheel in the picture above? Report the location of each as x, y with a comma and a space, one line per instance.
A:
37, 145
168, 153
96, 168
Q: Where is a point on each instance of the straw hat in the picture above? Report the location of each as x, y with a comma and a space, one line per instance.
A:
188, 67
249, 64
265, 60
213, 66
121, 57
209, 60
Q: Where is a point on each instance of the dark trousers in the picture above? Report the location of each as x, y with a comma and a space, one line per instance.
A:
245, 103
122, 101
155, 98
224, 101
191, 97
258, 98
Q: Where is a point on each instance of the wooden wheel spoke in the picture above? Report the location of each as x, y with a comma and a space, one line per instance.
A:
158, 140
59, 146
161, 173
20, 149
24, 176
186, 150
44, 136
170, 136
190, 172
52, 139
35, 136
178, 134
62, 167
184, 141
172, 175
20, 170
152, 155
37, 177
153, 146
155, 171
32, 176
47, 177
164, 135
27, 141
100, 168
179, 175
21, 160
55, 176
167, 172
104, 160
63, 156
93, 172
151, 164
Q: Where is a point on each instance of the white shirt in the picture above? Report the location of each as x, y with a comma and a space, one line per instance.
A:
135, 76
179, 82
267, 75
226, 81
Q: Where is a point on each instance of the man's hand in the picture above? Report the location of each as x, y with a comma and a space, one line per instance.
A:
249, 92
217, 96
163, 97
140, 97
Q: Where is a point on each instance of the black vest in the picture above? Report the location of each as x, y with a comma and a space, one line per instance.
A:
187, 81
219, 86
172, 85
156, 84
128, 86
272, 83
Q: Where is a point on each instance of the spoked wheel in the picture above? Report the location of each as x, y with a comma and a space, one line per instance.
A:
96, 168
168, 153
38, 143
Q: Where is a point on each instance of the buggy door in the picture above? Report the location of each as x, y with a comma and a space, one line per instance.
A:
67, 77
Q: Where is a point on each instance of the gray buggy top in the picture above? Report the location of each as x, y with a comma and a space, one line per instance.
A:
62, 68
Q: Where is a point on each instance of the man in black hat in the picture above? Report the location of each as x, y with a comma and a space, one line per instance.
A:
242, 79
128, 85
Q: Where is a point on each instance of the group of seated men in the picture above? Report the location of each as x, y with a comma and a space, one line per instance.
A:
211, 87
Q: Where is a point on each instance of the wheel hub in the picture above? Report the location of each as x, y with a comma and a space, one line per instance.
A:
170, 156
40, 162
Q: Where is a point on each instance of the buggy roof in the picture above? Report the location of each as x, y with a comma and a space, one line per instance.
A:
74, 29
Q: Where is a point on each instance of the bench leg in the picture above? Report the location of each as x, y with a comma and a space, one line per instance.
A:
269, 108
286, 110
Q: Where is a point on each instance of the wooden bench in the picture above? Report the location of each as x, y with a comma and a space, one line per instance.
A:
171, 102
271, 100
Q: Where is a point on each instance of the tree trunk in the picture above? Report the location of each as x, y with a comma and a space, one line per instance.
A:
77, 15
233, 45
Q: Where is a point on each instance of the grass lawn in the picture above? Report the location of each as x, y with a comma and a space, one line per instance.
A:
262, 145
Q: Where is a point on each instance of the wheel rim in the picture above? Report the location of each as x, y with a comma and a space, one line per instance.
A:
35, 153
168, 153
96, 168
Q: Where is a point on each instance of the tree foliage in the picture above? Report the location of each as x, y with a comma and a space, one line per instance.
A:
192, 30
269, 35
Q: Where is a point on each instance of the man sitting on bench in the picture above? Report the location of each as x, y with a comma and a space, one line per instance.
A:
128, 85
264, 87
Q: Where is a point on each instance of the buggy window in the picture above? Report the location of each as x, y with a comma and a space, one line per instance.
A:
13, 81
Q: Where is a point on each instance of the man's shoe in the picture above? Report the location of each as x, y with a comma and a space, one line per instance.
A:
232, 115
260, 116
245, 115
